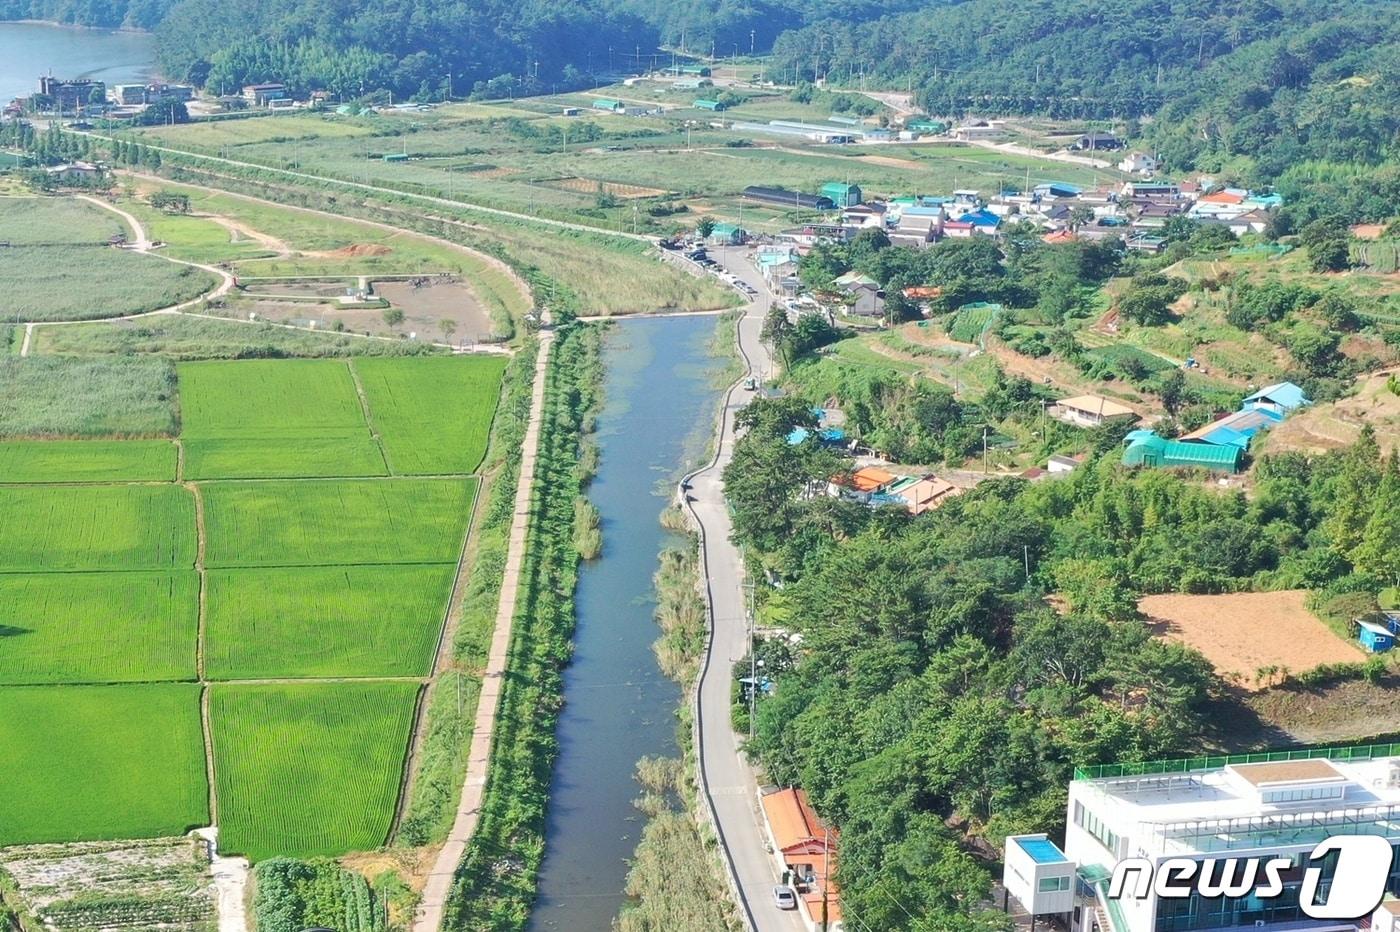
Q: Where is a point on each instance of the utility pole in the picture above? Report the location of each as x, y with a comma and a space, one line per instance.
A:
984, 449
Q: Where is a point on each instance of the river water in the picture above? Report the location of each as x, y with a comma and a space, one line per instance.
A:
658, 414
28, 50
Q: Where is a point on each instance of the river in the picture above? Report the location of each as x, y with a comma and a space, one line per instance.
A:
660, 400
28, 50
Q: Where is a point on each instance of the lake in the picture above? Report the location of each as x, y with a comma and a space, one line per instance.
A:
660, 402
28, 50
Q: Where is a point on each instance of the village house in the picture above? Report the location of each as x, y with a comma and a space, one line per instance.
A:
1139, 163
979, 131
917, 493
1090, 411
262, 95
864, 297
1097, 141
865, 216
805, 848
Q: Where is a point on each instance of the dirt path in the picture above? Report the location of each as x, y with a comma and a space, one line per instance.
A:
521, 287
439, 878
142, 244
237, 228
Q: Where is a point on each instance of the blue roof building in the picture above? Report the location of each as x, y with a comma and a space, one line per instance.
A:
1282, 397
1375, 638
1236, 429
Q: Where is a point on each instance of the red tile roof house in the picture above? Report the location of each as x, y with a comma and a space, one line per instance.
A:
806, 846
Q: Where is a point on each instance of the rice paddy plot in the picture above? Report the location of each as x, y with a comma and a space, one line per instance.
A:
34, 461
333, 522
47, 283
98, 627
310, 769
52, 221
433, 415
324, 621
101, 762
113, 527
261, 399
283, 458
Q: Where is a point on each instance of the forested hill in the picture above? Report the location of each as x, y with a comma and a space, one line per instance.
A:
141, 14
1247, 87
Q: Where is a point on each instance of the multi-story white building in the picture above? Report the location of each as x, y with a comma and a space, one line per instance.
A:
1279, 805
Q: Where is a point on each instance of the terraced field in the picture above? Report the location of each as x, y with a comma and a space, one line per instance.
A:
279, 538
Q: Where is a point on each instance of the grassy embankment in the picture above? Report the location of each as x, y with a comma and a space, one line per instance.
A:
495, 884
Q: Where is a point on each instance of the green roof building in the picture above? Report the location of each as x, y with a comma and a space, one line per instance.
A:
607, 103
842, 195
925, 125
1144, 448
702, 70
705, 103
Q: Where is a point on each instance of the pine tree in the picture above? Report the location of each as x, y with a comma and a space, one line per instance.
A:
1378, 553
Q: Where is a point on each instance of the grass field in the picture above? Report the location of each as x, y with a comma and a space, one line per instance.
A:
310, 769
116, 527
55, 221
88, 461
98, 627
90, 282
324, 522
120, 397
185, 337
257, 129
101, 762
325, 621
433, 415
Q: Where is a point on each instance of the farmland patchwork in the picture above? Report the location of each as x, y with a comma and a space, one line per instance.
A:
287, 563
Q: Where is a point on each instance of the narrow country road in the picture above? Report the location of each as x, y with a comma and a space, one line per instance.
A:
726, 780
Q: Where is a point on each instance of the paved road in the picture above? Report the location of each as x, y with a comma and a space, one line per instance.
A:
726, 779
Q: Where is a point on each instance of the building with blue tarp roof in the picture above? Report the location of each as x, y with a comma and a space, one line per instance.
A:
1281, 397
1236, 429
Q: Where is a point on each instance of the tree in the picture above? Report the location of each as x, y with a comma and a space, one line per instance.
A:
777, 329
448, 326
1328, 242
1378, 553
1172, 390
705, 226
393, 317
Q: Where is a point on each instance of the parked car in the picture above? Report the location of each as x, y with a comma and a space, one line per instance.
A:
785, 897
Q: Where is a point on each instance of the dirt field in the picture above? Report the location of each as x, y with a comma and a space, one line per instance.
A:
1241, 632
590, 186
1337, 424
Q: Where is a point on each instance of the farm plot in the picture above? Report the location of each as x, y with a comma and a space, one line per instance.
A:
113, 527
325, 621
34, 461
273, 419
56, 221
322, 522
433, 415
120, 397
101, 762
98, 627
92, 282
1244, 632
308, 769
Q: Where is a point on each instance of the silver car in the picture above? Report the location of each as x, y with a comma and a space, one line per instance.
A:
785, 897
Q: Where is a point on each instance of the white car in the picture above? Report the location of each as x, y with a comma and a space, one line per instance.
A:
785, 897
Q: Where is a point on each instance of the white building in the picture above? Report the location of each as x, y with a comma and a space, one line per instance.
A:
1254, 806
1139, 163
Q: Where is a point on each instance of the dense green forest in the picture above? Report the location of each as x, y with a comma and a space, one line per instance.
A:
938, 701
1305, 92
139, 14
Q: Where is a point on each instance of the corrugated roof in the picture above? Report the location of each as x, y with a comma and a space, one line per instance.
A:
1284, 394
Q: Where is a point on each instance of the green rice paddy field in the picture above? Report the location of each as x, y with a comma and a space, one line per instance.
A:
160, 576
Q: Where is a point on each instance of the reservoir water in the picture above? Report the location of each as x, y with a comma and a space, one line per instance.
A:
28, 50
658, 414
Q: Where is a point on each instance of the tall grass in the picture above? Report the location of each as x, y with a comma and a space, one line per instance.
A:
66, 397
